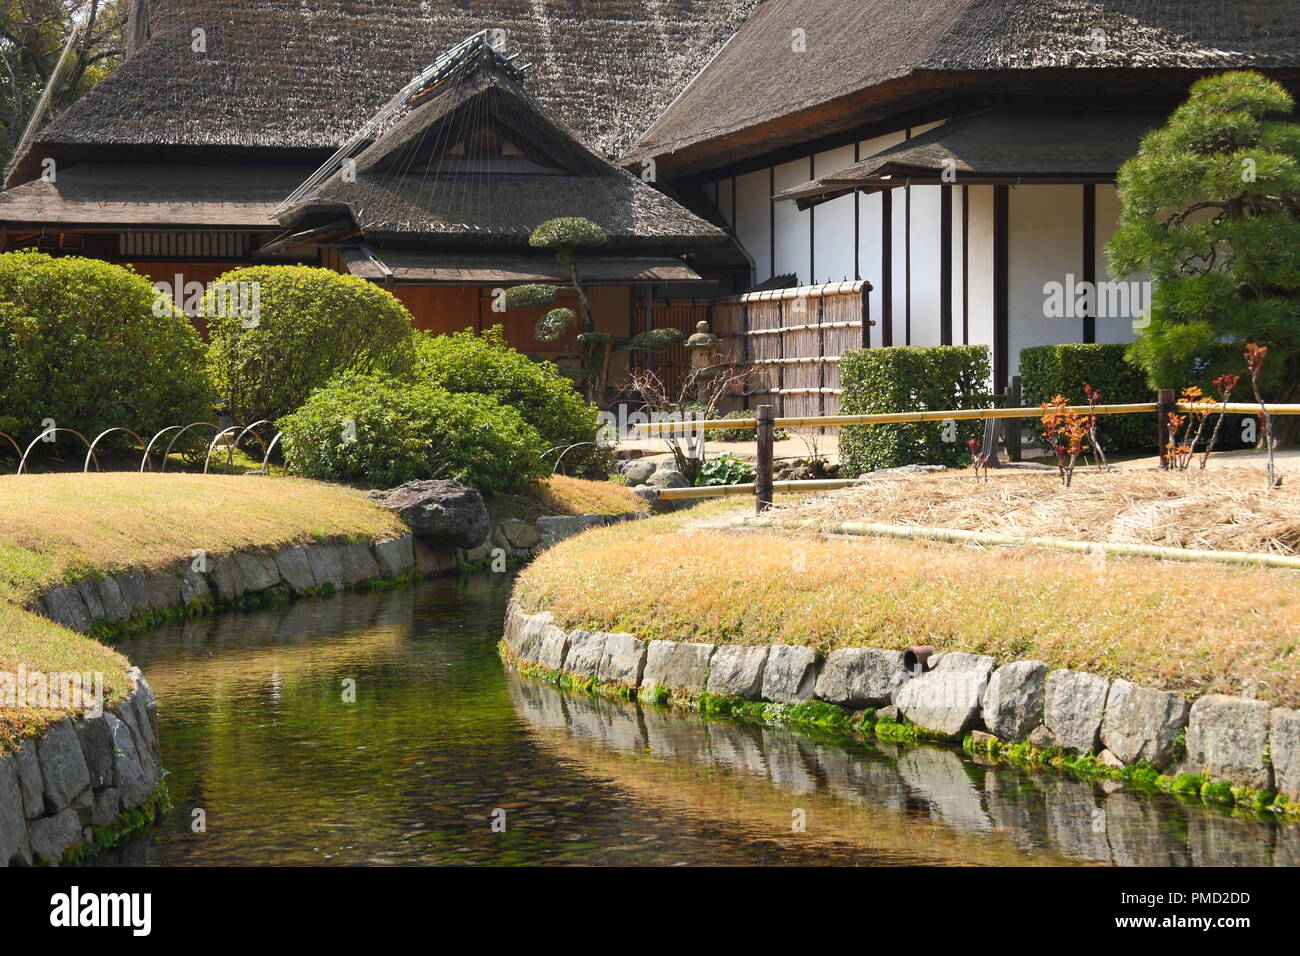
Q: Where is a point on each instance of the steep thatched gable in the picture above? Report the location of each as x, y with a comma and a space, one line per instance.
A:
477, 160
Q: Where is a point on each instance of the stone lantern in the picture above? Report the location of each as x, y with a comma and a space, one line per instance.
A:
701, 346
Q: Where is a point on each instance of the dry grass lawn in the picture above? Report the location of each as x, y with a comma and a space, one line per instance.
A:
59, 527
1222, 509
1199, 628
29, 642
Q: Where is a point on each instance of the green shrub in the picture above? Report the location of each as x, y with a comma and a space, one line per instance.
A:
384, 430
1047, 370
311, 325
80, 343
725, 469
906, 379
485, 364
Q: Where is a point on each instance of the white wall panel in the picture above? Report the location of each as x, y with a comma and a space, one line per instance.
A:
1045, 245
793, 226
752, 224
833, 224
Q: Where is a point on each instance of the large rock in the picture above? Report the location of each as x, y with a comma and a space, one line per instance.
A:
638, 471
66, 606
358, 563
396, 556
518, 534
1227, 739
1284, 747
1013, 700
441, 512
97, 749
13, 822
552, 529
111, 600
295, 569
682, 669
259, 571
326, 564
667, 477
1142, 723
63, 766
27, 766
860, 677
52, 836
552, 645
226, 577
134, 775
623, 660
944, 701
737, 671
584, 653
1073, 705
790, 676
194, 589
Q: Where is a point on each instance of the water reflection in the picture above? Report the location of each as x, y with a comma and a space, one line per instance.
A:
256, 732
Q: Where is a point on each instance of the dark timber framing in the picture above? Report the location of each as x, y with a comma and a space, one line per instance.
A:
1001, 297
1090, 258
887, 267
965, 265
945, 265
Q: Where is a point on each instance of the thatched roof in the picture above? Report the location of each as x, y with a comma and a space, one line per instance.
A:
156, 196
868, 60
423, 267
425, 181
294, 74
993, 146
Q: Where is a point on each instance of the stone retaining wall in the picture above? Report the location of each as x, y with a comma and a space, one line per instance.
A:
303, 569
1246, 743
82, 774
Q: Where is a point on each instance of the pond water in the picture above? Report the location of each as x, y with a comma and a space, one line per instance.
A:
442, 742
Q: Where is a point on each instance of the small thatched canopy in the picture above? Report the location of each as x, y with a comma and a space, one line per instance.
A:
303, 75
799, 70
478, 161
996, 146
451, 268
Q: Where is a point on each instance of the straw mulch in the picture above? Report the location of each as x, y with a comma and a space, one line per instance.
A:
1226, 509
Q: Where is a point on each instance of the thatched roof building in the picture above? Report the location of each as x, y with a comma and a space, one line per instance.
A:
803, 70
288, 78
478, 162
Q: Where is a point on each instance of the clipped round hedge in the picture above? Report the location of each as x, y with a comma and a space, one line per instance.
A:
383, 430
82, 343
311, 324
485, 364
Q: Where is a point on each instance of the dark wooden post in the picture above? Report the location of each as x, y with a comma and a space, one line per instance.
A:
763, 471
1011, 428
1164, 408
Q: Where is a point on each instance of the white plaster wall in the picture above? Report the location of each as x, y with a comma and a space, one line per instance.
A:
793, 228
1045, 244
925, 264
981, 266
833, 224
1108, 210
752, 224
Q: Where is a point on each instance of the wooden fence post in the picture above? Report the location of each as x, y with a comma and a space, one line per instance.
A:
763, 471
1012, 426
1164, 408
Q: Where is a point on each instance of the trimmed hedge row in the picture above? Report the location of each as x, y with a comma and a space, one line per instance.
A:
1047, 370
905, 379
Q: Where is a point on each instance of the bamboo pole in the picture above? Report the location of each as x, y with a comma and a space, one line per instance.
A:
958, 536
791, 487
885, 418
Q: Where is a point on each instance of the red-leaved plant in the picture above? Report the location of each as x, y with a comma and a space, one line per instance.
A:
1255, 355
